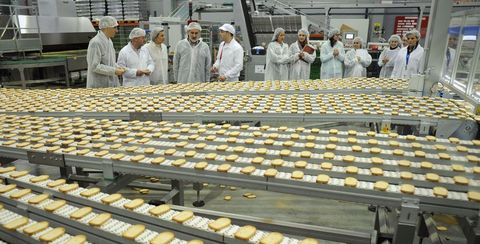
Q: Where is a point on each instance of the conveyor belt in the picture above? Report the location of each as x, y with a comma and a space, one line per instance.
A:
347, 85
18, 227
425, 111
89, 200
442, 173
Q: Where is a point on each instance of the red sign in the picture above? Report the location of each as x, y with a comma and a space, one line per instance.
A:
405, 23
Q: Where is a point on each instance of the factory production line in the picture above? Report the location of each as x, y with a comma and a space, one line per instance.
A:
370, 100
417, 176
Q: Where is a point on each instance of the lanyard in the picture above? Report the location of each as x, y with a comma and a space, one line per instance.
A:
221, 52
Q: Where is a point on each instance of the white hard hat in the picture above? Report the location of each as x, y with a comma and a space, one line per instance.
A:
136, 32
228, 28
107, 21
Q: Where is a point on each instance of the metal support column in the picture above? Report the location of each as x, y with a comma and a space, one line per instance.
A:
112, 186
178, 199
436, 43
407, 221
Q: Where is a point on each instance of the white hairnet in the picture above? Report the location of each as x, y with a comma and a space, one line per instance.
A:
277, 33
155, 32
136, 32
107, 21
194, 26
395, 38
359, 39
304, 31
333, 32
413, 32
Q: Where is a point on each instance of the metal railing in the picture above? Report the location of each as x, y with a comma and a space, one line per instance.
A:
11, 37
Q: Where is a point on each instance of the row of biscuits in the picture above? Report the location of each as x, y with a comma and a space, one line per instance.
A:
251, 86
457, 184
307, 104
37, 230
155, 150
222, 226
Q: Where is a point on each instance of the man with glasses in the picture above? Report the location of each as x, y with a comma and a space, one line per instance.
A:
102, 70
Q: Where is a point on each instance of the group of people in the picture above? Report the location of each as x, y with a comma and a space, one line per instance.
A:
396, 61
147, 64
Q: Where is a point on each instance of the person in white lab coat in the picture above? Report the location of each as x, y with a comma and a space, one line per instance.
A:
192, 59
301, 60
229, 61
102, 70
357, 59
332, 55
409, 60
450, 55
136, 59
159, 53
278, 57
388, 56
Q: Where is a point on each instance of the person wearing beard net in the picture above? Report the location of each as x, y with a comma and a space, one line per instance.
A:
278, 57
102, 70
136, 59
409, 60
332, 55
388, 56
192, 59
159, 53
357, 59
301, 58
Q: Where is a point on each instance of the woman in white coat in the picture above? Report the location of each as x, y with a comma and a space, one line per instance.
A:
409, 60
301, 60
357, 59
278, 57
159, 53
332, 55
388, 56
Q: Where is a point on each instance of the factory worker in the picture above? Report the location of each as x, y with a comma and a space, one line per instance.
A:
229, 61
159, 53
332, 55
404, 40
136, 59
278, 57
301, 58
450, 54
409, 60
102, 70
192, 59
357, 59
388, 55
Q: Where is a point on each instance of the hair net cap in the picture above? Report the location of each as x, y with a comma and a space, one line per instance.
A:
413, 32
395, 38
228, 28
359, 39
136, 32
155, 32
277, 33
107, 21
194, 26
333, 32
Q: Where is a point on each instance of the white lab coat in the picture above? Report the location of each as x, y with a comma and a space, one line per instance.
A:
278, 58
159, 54
101, 62
332, 67
387, 68
229, 60
300, 68
355, 68
415, 64
191, 63
133, 60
